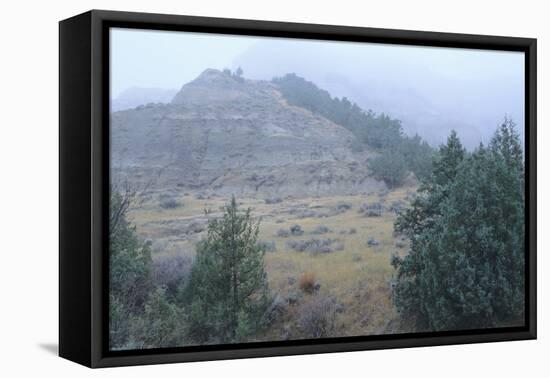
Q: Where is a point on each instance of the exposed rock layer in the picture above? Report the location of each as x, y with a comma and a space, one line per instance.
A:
228, 135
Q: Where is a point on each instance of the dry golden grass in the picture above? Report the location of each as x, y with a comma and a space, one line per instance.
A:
358, 276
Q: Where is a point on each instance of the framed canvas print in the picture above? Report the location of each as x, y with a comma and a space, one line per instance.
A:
234, 188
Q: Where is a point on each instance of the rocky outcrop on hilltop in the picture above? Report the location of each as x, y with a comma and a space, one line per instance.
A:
227, 135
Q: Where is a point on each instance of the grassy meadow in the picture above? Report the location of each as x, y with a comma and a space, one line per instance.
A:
353, 273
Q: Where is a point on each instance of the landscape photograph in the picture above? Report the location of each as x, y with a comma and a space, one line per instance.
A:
270, 189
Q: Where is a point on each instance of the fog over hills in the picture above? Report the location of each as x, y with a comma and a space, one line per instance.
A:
228, 135
432, 90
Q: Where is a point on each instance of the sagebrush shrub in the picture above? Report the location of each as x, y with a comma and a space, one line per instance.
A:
169, 203
318, 318
171, 272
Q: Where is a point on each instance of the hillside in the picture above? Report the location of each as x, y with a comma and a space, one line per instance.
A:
224, 134
135, 96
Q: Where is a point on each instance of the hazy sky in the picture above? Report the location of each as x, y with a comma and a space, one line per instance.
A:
431, 89
162, 59
158, 59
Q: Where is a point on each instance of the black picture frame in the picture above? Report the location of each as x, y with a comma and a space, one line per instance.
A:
84, 182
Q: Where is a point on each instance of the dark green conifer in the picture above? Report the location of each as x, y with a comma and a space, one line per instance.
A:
227, 292
129, 269
465, 268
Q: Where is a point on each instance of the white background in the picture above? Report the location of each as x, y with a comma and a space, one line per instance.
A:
29, 187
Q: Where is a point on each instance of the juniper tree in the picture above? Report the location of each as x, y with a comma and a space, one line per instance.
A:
129, 268
451, 156
425, 208
389, 166
160, 324
418, 155
238, 75
141, 314
415, 223
506, 144
227, 292
466, 261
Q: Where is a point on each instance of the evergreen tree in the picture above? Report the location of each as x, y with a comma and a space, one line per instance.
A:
451, 156
418, 155
129, 269
130, 258
466, 263
141, 315
425, 209
159, 325
390, 167
227, 292
238, 75
506, 144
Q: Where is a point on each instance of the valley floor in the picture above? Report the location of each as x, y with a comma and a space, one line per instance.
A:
342, 248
